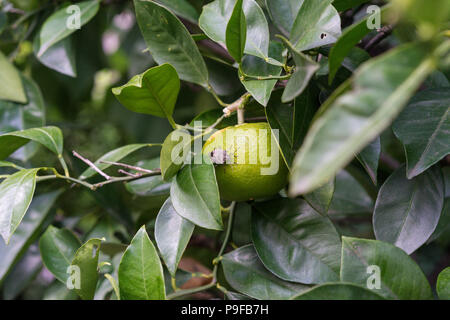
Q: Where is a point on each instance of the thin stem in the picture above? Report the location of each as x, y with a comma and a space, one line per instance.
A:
64, 165
172, 122
127, 166
127, 178
216, 261
136, 175
283, 77
211, 90
90, 164
240, 115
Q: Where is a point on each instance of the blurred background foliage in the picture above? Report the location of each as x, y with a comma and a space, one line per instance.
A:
109, 50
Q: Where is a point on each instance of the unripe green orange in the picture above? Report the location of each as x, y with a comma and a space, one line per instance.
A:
245, 168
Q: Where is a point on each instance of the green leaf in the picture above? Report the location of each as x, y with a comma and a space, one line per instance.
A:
16, 192
305, 68
112, 156
15, 116
57, 26
140, 272
170, 42
153, 92
86, 259
181, 8
38, 213
195, 196
443, 284
349, 196
444, 222
49, 137
12, 88
236, 32
342, 5
172, 234
369, 158
408, 284
381, 87
317, 24
320, 199
428, 111
59, 57
244, 272
292, 121
175, 149
295, 242
350, 37
148, 186
407, 211
283, 13
338, 291
58, 248
214, 20
256, 67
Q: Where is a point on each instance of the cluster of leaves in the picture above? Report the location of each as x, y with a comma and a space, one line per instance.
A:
334, 105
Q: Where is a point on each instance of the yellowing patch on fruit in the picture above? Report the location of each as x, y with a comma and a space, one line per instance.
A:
248, 162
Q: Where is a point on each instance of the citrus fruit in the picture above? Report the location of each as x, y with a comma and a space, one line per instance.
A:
244, 165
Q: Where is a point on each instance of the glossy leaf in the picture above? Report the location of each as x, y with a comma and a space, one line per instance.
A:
245, 273
443, 226
292, 121
401, 277
317, 24
338, 291
112, 156
86, 259
181, 8
349, 196
175, 149
320, 199
49, 137
148, 186
170, 42
16, 117
236, 32
57, 26
140, 271
58, 248
407, 211
283, 13
357, 117
153, 92
214, 20
295, 242
16, 193
350, 37
305, 68
443, 284
12, 87
256, 67
423, 128
369, 158
59, 57
172, 234
195, 196
38, 212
